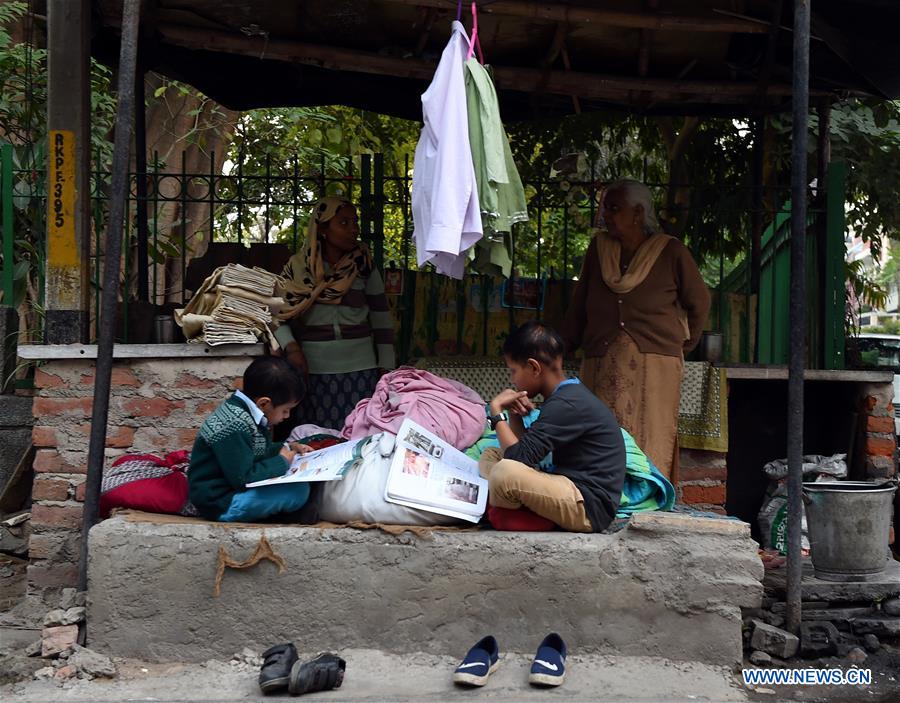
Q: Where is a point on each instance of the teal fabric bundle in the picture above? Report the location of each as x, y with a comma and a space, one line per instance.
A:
645, 488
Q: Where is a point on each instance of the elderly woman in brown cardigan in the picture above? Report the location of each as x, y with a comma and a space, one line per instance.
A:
639, 306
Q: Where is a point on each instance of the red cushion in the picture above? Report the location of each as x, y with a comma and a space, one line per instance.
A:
163, 494
521, 520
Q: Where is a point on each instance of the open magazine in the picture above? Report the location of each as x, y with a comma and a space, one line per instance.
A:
329, 464
429, 474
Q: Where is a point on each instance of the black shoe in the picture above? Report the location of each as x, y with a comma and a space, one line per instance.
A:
276, 669
323, 673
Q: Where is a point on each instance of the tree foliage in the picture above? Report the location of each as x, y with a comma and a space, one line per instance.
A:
866, 135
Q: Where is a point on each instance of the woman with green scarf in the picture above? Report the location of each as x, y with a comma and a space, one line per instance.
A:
336, 326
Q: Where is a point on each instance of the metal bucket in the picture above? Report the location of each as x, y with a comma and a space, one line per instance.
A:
848, 524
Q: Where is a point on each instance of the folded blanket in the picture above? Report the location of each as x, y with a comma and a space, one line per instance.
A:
645, 488
454, 412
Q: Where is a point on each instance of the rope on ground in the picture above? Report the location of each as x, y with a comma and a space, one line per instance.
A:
263, 551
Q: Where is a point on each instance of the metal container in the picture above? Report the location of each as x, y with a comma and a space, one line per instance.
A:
164, 329
711, 347
848, 524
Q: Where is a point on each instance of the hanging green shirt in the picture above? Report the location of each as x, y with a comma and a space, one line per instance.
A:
500, 192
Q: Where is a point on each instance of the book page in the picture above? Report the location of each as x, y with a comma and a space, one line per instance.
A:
329, 464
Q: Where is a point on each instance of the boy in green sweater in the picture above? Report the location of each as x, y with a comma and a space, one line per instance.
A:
234, 447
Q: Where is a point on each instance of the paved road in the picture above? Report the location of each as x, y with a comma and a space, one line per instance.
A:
375, 676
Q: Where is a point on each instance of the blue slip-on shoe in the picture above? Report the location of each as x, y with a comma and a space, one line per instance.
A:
480, 662
549, 665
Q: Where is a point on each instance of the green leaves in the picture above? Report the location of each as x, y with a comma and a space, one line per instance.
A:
20, 283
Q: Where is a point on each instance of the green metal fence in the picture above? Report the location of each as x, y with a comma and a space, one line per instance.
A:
826, 285
233, 204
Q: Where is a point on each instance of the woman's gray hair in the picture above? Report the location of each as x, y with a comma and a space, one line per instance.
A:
636, 193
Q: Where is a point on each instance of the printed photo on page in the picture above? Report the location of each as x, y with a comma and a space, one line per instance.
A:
329, 464
429, 474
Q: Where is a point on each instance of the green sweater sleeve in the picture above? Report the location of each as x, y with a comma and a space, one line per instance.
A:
234, 453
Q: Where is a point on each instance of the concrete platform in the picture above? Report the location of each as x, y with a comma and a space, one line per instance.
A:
877, 588
666, 586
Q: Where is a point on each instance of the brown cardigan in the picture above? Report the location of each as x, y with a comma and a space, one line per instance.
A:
649, 313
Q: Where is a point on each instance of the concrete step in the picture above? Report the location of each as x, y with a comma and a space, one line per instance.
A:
380, 676
667, 585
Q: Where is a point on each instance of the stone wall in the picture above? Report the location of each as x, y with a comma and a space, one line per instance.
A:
156, 406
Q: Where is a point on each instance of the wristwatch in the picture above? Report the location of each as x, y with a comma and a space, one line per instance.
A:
494, 419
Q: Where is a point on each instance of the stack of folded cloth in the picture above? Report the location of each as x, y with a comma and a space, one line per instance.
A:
233, 306
256, 280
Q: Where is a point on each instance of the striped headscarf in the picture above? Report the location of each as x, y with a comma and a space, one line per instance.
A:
305, 281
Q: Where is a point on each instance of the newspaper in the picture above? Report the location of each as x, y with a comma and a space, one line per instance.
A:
429, 474
329, 464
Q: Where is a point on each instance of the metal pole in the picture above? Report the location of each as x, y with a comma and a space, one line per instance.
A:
378, 210
6, 208
758, 198
107, 330
140, 162
184, 221
798, 311
212, 197
823, 156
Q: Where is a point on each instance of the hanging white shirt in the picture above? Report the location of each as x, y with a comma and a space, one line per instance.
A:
444, 193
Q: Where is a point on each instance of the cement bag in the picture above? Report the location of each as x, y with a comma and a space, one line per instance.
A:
772, 521
359, 496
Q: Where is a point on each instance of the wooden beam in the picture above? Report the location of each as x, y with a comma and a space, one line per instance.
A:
576, 14
521, 79
567, 64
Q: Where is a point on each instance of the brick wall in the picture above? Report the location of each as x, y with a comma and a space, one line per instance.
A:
702, 479
155, 406
876, 448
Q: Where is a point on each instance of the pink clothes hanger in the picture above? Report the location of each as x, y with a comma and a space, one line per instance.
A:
474, 41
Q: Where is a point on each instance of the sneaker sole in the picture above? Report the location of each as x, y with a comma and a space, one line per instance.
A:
472, 679
273, 685
546, 679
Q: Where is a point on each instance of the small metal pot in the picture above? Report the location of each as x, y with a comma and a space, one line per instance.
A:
711, 347
164, 329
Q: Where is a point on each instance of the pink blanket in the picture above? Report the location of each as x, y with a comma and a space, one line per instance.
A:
454, 412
